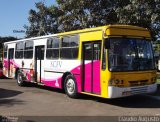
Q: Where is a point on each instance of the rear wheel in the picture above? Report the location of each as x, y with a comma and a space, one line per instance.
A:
70, 87
20, 80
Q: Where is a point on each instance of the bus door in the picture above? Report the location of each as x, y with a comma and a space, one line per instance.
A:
10, 63
91, 67
39, 60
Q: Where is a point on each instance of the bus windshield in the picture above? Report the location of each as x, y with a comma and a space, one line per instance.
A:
126, 54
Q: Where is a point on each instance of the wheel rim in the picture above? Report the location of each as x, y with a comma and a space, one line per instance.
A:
19, 78
70, 86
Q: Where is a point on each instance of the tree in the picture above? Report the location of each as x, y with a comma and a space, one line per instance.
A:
69, 15
86, 13
42, 21
144, 13
6, 39
78, 14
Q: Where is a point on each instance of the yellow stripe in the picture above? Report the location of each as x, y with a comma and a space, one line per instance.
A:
91, 94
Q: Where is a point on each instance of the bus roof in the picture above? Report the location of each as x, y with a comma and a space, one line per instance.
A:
128, 31
105, 28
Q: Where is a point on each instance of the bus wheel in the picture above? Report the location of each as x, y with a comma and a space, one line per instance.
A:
71, 86
20, 81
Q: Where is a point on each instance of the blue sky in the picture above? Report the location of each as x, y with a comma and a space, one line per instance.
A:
14, 14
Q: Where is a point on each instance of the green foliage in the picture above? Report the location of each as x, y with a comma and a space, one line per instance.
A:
6, 39
78, 14
156, 46
42, 22
144, 13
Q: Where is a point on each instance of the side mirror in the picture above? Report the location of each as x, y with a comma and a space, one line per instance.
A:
107, 44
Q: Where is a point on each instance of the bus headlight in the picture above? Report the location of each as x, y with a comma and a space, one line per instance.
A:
113, 82
117, 81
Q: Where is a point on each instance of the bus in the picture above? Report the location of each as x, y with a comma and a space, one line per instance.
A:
110, 61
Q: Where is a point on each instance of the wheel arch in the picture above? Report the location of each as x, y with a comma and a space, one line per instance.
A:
64, 77
73, 92
16, 73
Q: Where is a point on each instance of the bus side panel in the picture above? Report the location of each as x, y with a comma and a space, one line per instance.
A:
55, 69
79, 83
17, 64
77, 75
88, 76
96, 77
27, 65
52, 79
5, 67
12, 67
89, 79
14, 64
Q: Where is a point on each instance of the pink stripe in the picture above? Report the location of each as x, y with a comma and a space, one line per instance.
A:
52, 82
57, 83
88, 73
96, 77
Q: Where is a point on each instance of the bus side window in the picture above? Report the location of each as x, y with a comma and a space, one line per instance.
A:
69, 49
5, 51
28, 50
52, 51
88, 51
97, 51
19, 50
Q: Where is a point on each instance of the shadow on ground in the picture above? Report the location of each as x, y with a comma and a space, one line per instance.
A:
137, 101
50, 89
10, 102
7, 97
5, 93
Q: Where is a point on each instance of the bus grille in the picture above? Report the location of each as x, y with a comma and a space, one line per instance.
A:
139, 90
138, 82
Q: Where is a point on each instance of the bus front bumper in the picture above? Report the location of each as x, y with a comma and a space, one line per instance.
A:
115, 92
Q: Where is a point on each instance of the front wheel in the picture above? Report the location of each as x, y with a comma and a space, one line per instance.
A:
20, 80
70, 87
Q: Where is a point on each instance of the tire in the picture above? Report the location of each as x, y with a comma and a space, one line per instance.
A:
20, 80
70, 87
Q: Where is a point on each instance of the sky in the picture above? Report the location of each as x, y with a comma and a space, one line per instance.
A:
14, 15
